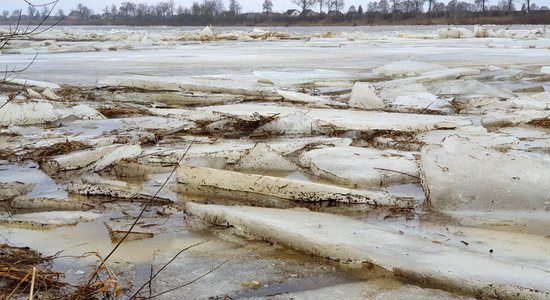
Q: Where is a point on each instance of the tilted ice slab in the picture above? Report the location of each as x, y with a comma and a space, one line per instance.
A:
438, 75
530, 138
48, 220
263, 158
405, 97
463, 175
221, 153
504, 119
476, 134
33, 83
469, 87
96, 159
283, 188
294, 124
312, 101
336, 119
88, 129
455, 33
414, 258
481, 32
297, 78
362, 167
366, 290
15, 113
406, 68
539, 102
220, 84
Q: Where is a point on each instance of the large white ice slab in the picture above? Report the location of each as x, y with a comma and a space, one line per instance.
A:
283, 188
362, 167
469, 87
407, 68
336, 119
210, 84
462, 175
16, 113
317, 76
504, 119
96, 159
417, 259
48, 220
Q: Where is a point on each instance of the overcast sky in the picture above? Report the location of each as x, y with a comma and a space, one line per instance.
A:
247, 5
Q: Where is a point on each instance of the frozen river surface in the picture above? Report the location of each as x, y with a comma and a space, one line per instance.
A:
316, 162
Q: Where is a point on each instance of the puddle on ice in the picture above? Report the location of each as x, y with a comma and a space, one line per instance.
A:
30, 173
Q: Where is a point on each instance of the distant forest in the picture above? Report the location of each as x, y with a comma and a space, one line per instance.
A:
306, 13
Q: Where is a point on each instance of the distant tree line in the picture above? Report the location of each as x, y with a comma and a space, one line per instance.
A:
215, 11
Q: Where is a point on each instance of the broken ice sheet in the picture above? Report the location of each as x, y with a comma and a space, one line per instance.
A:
48, 220
455, 178
362, 167
407, 68
297, 78
96, 159
330, 120
190, 84
31, 112
338, 238
284, 188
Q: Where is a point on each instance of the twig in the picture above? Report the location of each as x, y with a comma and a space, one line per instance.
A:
31, 294
190, 282
140, 215
163, 267
18, 285
413, 176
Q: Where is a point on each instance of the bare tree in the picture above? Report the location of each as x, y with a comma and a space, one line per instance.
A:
127, 9
22, 32
321, 4
304, 4
31, 11
430, 4
383, 6
417, 6
395, 4
481, 4
267, 6
336, 5
6, 13
511, 5
84, 11
234, 7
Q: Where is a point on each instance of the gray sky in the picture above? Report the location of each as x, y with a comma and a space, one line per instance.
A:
248, 5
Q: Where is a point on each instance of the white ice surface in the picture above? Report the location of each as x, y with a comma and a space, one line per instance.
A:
347, 240
362, 167
334, 119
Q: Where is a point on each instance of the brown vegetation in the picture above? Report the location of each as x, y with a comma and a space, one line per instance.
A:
545, 123
21, 268
57, 149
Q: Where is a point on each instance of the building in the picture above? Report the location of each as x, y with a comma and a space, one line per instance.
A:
74, 15
309, 13
292, 13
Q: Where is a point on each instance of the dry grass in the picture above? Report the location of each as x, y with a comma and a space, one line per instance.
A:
57, 149
6, 154
121, 111
545, 123
17, 274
